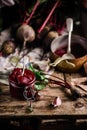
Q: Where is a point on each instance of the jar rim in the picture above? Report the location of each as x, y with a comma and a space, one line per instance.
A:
30, 82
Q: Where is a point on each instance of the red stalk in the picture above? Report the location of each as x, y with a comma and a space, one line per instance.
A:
59, 30
66, 85
48, 17
55, 81
52, 76
33, 11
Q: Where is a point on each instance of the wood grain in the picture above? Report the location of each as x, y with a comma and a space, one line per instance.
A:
69, 109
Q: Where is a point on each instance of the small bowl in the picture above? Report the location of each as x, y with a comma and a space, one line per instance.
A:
17, 89
78, 49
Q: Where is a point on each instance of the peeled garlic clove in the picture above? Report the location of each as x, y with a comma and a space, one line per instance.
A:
57, 102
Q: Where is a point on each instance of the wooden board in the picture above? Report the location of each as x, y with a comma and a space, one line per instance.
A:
14, 108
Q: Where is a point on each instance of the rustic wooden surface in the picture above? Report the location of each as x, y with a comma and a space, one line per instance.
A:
11, 107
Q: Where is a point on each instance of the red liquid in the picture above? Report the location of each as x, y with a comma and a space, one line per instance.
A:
61, 51
76, 49
18, 82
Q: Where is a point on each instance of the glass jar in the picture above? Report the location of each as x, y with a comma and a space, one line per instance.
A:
19, 84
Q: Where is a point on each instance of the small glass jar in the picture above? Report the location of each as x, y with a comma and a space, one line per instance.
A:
19, 83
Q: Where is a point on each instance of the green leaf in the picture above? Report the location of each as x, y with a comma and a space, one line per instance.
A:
30, 8
40, 78
40, 85
31, 67
38, 74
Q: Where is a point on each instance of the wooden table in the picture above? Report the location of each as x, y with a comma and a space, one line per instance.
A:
70, 109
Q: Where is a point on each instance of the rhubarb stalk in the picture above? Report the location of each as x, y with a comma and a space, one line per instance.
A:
57, 3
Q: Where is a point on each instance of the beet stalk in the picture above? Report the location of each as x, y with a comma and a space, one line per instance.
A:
33, 11
38, 2
50, 14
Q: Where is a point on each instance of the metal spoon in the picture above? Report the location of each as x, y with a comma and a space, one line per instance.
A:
69, 23
68, 55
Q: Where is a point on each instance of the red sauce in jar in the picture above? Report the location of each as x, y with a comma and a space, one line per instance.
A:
18, 82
